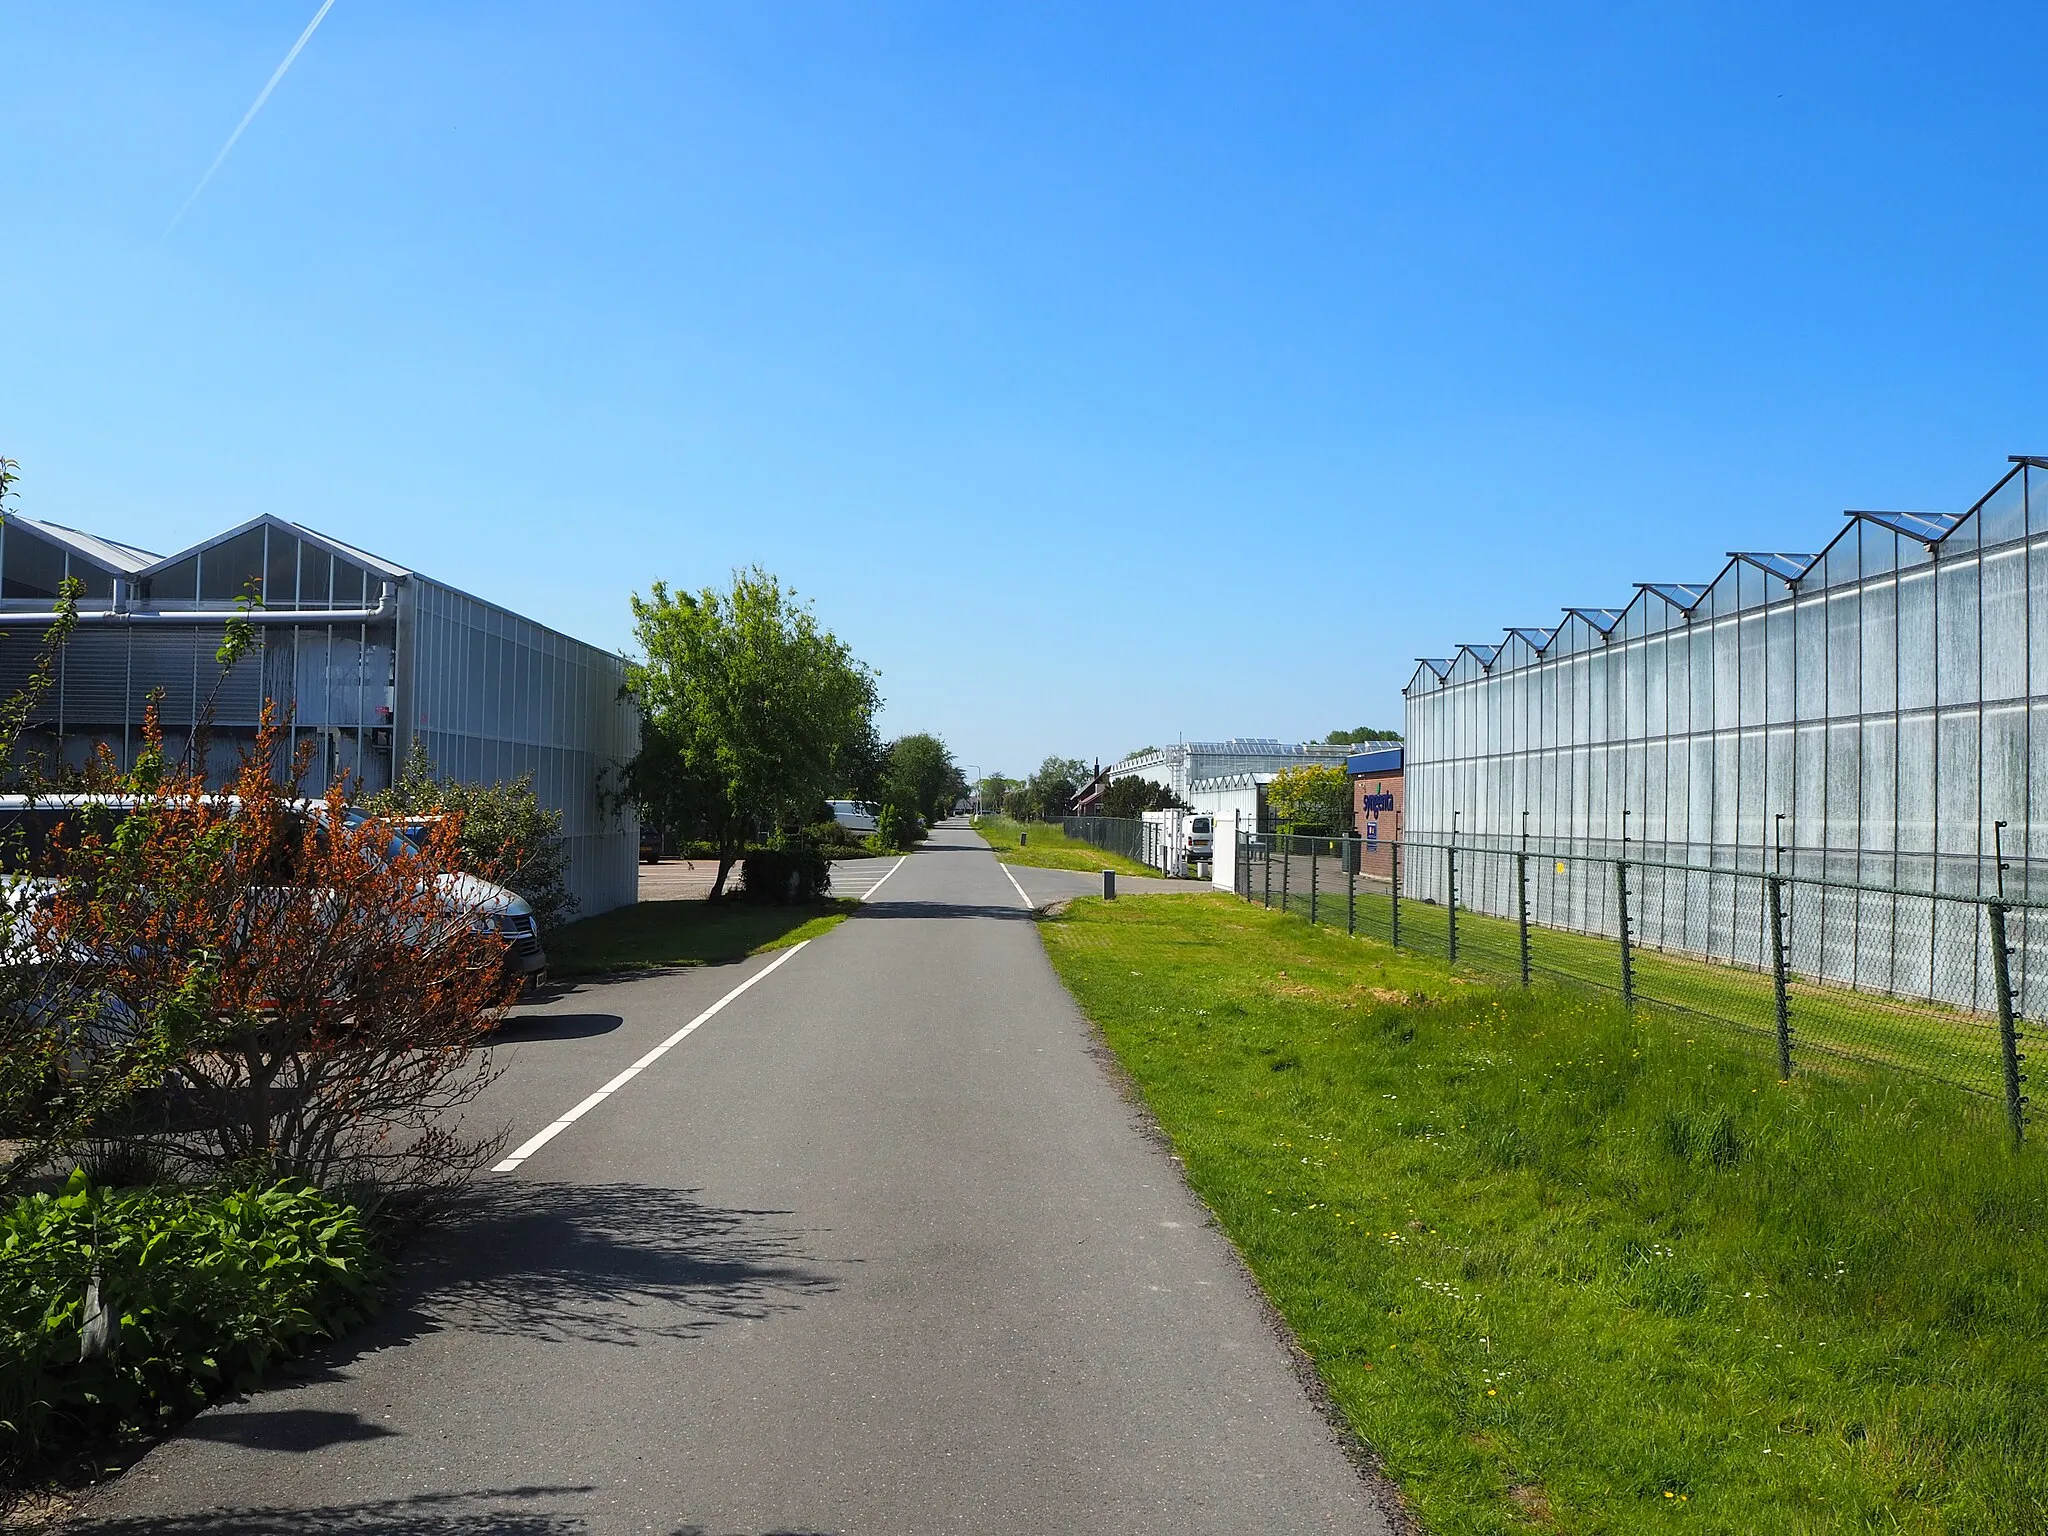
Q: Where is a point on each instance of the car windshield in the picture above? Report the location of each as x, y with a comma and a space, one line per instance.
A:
402, 844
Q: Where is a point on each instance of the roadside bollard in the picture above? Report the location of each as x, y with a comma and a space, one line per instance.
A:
1109, 885
1023, 839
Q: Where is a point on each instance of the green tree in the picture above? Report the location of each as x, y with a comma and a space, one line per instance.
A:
994, 788
506, 831
1359, 736
751, 713
1052, 789
923, 777
1131, 796
1313, 795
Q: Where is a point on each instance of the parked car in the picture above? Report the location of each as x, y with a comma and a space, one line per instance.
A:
32, 826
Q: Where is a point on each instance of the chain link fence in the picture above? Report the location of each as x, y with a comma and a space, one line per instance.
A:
1935, 984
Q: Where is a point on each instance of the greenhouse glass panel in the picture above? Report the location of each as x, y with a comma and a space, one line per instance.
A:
1845, 784
2003, 514
1727, 673
1916, 784
281, 571
1916, 640
2004, 770
1750, 646
1956, 826
1749, 790
1880, 548
1809, 793
1778, 663
1844, 662
232, 568
1955, 611
2005, 624
31, 568
1810, 647
1879, 647
1880, 783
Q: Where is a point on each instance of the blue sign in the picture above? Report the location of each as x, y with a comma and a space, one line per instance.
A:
1372, 836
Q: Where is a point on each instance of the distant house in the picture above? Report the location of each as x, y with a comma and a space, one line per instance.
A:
1089, 801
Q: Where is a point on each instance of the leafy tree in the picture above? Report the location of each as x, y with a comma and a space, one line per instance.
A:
1052, 789
1359, 737
1131, 796
993, 789
503, 828
751, 713
922, 776
1313, 795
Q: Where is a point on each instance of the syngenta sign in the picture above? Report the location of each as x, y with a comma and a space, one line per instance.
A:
1373, 804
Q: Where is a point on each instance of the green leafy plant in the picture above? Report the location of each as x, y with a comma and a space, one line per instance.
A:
506, 833
1315, 795
789, 870
198, 1291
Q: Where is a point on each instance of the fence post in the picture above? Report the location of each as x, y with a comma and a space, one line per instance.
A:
1522, 910
1314, 863
1394, 891
1351, 900
1774, 887
1628, 964
1451, 889
1266, 865
1286, 864
2008, 1030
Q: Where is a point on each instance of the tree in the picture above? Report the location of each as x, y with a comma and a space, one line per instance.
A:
751, 713
1131, 796
923, 778
1051, 790
504, 829
1313, 795
1359, 737
993, 788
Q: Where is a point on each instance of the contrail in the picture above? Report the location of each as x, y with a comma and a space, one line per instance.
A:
256, 106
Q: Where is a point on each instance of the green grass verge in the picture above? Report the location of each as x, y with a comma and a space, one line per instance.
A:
1050, 848
1828, 1022
656, 934
1565, 1269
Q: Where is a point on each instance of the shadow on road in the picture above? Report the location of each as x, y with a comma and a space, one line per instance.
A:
556, 1026
493, 1512
284, 1429
885, 908
609, 1263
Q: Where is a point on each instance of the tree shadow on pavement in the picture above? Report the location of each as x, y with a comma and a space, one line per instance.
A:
423, 1514
284, 1429
609, 1263
937, 910
492, 1512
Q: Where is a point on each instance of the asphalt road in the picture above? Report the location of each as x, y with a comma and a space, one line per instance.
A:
877, 1248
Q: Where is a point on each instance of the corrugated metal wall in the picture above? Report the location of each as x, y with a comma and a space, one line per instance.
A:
493, 696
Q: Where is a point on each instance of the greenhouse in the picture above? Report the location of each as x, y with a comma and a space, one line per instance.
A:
369, 656
1872, 714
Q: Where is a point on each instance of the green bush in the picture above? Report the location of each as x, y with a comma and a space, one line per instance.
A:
896, 830
206, 1287
790, 870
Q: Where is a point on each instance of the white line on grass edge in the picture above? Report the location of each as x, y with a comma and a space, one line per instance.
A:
533, 1144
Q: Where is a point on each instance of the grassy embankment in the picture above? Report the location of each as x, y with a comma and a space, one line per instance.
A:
657, 934
1957, 1047
1050, 848
1564, 1269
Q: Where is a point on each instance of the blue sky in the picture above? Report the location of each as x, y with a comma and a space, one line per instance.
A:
1105, 374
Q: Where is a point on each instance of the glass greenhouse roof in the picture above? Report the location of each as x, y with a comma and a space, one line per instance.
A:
2010, 510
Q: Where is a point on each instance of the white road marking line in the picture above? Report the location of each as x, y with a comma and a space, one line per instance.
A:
527, 1148
870, 891
1018, 888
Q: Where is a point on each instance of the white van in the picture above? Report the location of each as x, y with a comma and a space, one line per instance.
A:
854, 815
